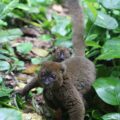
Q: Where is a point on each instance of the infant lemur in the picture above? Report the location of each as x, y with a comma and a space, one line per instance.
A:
66, 82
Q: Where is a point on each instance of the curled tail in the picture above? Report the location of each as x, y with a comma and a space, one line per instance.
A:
76, 14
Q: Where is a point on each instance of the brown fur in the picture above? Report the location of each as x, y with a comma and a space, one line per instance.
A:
81, 75
60, 54
63, 94
76, 13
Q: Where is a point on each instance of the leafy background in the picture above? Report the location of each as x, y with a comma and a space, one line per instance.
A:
29, 29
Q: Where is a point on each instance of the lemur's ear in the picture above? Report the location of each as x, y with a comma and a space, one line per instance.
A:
52, 50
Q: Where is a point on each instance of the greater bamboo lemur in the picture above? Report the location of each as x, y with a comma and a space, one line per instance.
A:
79, 71
60, 54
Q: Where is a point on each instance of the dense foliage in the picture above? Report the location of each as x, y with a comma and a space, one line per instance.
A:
102, 38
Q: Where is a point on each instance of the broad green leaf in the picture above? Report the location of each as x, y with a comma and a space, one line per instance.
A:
39, 60
40, 52
2, 5
108, 89
3, 57
105, 21
112, 54
39, 2
4, 65
39, 90
24, 48
3, 51
111, 49
45, 37
91, 11
90, 0
111, 4
8, 8
10, 114
92, 44
117, 30
64, 43
11, 34
61, 24
96, 115
17, 64
3, 23
20, 65
1, 79
91, 37
27, 8
111, 116
5, 92
89, 41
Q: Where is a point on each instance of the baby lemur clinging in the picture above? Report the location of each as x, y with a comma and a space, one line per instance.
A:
78, 75
60, 54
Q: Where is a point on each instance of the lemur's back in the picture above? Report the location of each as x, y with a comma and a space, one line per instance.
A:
81, 71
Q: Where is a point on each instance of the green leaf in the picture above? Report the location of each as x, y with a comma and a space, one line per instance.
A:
3, 51
111, 116
10, 114
5, 92
91, 11
111, 49
7, 8
39, 60
92, 44
1, 79
90, 0
20, 65
4, 65
64, 43
3, 57
17, 65
111, 4
11, 34
89, 41
108, 89
28, 8
39, 90
24, 48
91, 37
3, 23
105, 21
61, 24
39, 2
45, 37
96, 115
14, 65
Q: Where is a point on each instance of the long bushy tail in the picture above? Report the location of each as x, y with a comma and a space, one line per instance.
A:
75, 10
